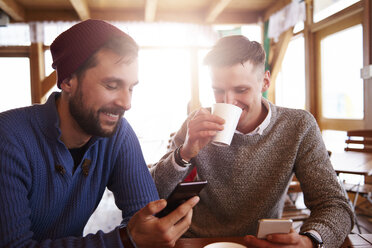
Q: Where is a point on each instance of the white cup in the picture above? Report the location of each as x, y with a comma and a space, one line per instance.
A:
224, 245
231, 114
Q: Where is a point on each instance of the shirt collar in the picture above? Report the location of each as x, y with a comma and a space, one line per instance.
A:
259, 130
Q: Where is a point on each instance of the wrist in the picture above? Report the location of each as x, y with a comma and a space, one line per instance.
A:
183, 155
126, 237
314, 239
307, 242
178, 158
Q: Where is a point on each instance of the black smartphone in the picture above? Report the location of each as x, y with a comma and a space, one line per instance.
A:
180, 194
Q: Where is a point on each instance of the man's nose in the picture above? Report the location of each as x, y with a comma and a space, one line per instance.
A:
124, 99
229, 98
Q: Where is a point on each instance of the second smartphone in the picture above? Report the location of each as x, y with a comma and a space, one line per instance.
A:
180, 194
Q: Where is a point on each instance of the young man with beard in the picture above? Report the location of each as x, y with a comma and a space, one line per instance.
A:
248, 180
56, 159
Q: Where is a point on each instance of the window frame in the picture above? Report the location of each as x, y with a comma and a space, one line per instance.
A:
330, 123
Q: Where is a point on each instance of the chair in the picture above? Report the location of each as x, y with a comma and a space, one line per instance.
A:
291, 210
359, 141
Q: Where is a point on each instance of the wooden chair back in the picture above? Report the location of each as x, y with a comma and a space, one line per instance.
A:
362, 138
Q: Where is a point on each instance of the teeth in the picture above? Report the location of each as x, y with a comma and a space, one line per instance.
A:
111, 115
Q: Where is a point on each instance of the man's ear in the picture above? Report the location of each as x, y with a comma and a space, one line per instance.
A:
266, 81
67, 84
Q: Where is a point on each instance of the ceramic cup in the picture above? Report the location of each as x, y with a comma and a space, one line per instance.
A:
224, 245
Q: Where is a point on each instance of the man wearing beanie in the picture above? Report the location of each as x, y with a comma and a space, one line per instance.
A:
56, 159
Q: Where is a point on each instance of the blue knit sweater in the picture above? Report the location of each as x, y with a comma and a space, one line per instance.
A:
42, 202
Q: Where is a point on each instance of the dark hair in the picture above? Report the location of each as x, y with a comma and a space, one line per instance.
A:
231, 50
124, 46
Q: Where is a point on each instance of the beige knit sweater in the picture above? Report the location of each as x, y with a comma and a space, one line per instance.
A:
248, 180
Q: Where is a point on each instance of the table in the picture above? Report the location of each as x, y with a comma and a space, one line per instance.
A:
358, 240
353, 240
201, 242
357, 163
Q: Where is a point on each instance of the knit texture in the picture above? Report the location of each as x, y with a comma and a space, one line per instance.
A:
74, 46
43, 206
248, 180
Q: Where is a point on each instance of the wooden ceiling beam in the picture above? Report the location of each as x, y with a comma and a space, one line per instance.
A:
150, 10
138, 15
81, 8
216, 10
198, 17
51, 15
118, 15
238, 17
14, 10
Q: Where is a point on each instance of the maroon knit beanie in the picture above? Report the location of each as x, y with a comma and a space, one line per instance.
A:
74, 46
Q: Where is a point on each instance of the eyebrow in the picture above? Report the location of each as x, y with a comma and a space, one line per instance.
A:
238, 86
117, 80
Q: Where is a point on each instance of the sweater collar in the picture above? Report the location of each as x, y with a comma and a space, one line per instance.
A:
48, 118
49, 121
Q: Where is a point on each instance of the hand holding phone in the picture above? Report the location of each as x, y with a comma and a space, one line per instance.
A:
270, 226
180, 194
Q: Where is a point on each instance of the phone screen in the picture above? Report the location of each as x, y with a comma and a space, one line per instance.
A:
180, 194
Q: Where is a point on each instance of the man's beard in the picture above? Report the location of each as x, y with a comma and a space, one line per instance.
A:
87, 119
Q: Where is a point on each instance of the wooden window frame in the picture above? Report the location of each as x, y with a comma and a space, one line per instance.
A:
331, 123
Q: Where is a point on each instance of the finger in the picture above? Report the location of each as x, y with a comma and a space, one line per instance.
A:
209, 117
181, 211
205, 110
205, 115
252, 241
152, 208
205, 125
183, 225
284, 238
206, 134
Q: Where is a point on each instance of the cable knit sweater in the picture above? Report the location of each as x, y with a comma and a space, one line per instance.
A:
44, 204
249, 179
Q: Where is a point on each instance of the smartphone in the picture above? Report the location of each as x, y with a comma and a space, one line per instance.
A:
269, 226
180, 194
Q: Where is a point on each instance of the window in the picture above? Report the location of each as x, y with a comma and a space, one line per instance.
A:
339, 58
342, 87
15, 35
205, 84
326, 8
290, 83
334, 140
159, 103
14, 75
53, 29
